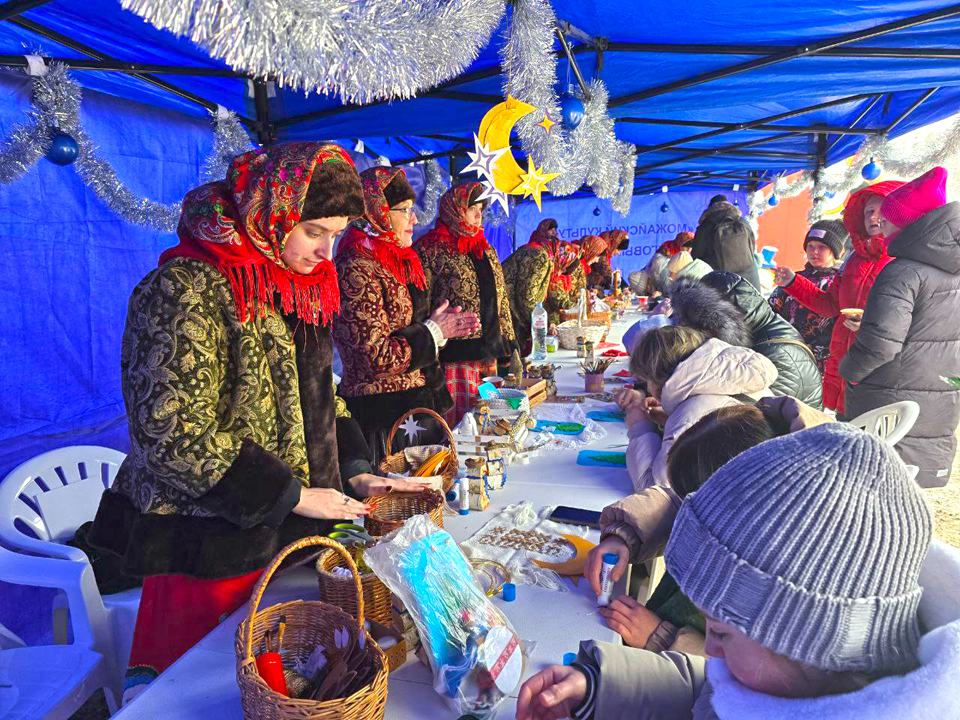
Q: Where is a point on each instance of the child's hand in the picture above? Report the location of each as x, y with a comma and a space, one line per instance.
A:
852, 325
783, 276
631, 620
611, 544
655, 411
551, 694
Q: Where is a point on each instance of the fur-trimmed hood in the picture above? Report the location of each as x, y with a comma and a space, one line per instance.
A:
706, 309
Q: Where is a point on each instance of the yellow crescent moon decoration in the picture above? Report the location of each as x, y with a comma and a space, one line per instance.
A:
575, 566
494, 132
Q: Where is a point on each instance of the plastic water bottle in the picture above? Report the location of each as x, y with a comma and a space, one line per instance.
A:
538, 321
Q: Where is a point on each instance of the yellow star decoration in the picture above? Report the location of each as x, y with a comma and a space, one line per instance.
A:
533, 182
547, 122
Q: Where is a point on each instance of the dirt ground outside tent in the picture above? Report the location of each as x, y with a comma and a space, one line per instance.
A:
945, 503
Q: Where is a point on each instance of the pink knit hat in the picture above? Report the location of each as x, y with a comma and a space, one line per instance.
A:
911, 202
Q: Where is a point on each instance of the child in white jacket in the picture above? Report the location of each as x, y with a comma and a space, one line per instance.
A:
685, 376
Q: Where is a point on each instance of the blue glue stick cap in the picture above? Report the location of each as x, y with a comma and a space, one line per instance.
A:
509, 592
569, 658
464, 511
452, 495
610, 558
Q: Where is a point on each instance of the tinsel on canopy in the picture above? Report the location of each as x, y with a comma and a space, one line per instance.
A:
56, 100
361, 51
588, 155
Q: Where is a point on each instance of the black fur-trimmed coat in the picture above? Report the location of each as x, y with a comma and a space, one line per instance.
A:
228, 421
725, 306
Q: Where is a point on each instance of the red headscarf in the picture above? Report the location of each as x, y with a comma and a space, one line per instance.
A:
373, 234
874, 247
678, 244
240, 226
591, 247
452, 227
614, 238
566, 254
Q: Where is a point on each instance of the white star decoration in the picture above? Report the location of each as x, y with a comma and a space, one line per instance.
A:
491, 192
411, 428
484, 160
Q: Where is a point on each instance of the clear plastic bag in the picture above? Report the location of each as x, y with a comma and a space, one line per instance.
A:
475, 654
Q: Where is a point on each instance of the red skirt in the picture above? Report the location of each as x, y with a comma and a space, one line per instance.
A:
176, 612
462, 381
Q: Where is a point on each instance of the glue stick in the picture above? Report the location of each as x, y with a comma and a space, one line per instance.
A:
606, 578
464, 495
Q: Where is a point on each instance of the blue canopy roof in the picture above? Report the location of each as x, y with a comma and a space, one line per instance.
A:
671, 75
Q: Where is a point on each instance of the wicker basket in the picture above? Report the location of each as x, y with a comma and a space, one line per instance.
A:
398, 463
308, 624
339, 591
391, 510
606, 317
569, 332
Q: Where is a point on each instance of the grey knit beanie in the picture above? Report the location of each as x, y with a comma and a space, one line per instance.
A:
831, 233
811, 544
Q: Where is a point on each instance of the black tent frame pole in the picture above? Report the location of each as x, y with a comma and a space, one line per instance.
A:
261, 103
72, 44
81, 64
906, 113
860, 116
751, 125
728, 150
788, 54
922, 53
777, 128
15, 7
573, 63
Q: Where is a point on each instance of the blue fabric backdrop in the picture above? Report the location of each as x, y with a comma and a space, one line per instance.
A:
648, 226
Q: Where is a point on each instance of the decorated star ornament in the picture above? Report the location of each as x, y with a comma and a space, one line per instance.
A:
546, 123
484, 160
534, 182
495, 195
411, 429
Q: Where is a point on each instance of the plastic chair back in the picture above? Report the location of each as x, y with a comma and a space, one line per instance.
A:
890, 423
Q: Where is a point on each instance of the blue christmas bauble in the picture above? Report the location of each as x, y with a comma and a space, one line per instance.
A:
63, 149
831, 195
774, 201
664, 208
571, 112
871, 171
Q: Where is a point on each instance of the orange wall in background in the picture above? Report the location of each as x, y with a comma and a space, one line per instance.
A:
784, 227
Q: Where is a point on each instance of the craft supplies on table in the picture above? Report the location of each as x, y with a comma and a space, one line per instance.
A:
422, 460
599, 458
607, 415
476, 480
391, 510
476, 657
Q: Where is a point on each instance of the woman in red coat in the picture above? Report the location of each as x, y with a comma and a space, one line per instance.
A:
861, 217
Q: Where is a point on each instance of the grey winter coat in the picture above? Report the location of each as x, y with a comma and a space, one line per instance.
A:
910, 336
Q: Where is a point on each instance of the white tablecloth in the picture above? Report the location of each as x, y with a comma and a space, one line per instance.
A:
202, 684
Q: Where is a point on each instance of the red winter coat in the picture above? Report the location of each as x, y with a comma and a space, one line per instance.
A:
849, 289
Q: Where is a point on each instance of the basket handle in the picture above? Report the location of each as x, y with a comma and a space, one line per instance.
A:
436, 416
300, 544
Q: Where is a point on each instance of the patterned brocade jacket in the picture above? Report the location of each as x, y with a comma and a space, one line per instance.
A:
227, 422
559, 299
478, 286
390, 361
527, 276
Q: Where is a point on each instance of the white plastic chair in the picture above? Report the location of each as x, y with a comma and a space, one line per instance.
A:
890, 423
42, 503
52, 681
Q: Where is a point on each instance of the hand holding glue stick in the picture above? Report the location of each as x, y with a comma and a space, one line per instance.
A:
606, 578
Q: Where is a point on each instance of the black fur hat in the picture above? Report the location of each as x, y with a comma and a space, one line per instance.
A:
334, 191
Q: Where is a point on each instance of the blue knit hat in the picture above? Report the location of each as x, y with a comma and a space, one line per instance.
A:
810, 544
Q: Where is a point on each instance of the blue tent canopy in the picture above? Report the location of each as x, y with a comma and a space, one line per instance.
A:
672, 77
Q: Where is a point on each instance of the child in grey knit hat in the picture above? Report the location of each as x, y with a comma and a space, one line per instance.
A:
804, 553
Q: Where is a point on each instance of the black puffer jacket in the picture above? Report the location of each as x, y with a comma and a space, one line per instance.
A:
910, 337
725, 241
726, 306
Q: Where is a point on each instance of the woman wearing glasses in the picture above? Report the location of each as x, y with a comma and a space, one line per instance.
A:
388, 339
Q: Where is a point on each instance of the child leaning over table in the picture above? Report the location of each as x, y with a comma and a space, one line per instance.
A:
637, 528
804, 553
685, 376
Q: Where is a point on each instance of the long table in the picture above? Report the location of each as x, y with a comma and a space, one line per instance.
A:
202, 685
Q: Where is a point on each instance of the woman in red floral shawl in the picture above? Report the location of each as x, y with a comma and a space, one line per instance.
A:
466, 272
388, 339
237, 444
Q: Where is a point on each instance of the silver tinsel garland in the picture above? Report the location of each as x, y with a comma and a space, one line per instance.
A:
906, 157
56, 99
434, 188
361, 50
588, 155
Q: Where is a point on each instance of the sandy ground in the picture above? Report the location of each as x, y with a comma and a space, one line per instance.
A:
945, 502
